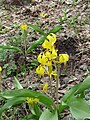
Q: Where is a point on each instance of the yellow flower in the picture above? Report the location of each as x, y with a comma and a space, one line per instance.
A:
43, 14
50, 55
53, 53
63, 58
42, 58
36, 100
49, 42
45, 87
0, 69
24, 26
31, 100
40, 70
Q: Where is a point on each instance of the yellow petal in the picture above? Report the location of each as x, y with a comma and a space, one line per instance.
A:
0, 69
47, 54
45, 87
46, 44
36, 100
42, 58
24, 26
29, 100
54, 53
40, 70
49, 63
63, 58
49, 42
52, 38
43, 14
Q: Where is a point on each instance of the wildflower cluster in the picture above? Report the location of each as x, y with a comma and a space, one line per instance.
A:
50, 57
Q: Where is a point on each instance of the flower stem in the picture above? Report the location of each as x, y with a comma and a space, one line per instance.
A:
24, 40
51, 87
25, 44
57, 82
0, 81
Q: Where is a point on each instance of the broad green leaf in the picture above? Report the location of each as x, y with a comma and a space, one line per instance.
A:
35, 44
28, 93
28, 117
77, 89
11, 102
34, 27
84, 85
79, 108
70, 93
47, 115
55, 29
37, 110
17, 84
8, 47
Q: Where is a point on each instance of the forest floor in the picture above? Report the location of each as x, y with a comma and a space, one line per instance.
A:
74, 38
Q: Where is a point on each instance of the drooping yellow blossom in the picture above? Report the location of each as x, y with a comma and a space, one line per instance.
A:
42, 58
49, 42
47, 57
63, 58
51, 54
24, 26
40, 70
0, 69
31, 100
43, 14
45, 87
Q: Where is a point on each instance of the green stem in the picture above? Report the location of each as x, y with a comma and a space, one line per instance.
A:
51, 87
25, 44
57, 82
0, 81
24, 40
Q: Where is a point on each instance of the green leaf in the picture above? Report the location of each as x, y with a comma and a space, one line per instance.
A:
55, 29
35, 44
83, 86
37, 110
17, 84
77, 89
11, 102
28, 93
47, 115
79, 108
70, 93
34, 27
8, 47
